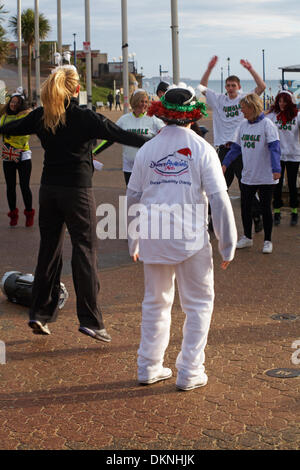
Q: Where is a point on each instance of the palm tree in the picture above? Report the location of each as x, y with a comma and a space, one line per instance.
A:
3, 46
27, 29
3, 42
2, 11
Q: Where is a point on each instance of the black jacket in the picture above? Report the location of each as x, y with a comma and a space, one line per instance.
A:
68, 158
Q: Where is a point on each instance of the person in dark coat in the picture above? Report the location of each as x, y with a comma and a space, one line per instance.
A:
110, 100
66, 198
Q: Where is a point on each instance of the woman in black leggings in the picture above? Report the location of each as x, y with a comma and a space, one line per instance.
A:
265, 192
285, 115
10, 172
16, 156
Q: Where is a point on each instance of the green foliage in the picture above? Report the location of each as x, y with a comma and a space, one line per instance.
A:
27, 29
45, 51
2, 12
3, 46
27, 26
100, 94
3, 42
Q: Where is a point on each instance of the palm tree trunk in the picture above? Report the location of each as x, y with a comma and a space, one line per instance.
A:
29, 74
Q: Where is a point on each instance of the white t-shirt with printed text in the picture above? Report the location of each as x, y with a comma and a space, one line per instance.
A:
227, 115
289, 138
254, 139
144, 125
178, 169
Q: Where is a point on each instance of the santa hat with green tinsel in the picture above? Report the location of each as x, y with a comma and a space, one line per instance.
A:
178, 105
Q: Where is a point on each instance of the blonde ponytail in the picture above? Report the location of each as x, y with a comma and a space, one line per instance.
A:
56, 93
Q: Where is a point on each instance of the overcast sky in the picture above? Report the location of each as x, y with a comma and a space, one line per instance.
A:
236, 29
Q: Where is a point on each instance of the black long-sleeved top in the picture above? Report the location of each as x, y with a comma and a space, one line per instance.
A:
68, 158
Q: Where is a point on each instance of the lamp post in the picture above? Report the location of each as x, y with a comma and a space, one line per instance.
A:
175, 47
57, 58
67, 57
121, 69
59, 30
19, 45
228, 59
264, 76
221, 79
125, 56
74, 34
37, 52
88, 55
134, 67
130, 62
161, 72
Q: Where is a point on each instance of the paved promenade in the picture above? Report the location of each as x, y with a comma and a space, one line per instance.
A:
67, 391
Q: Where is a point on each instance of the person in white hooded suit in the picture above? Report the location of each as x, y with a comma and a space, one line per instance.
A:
174, 177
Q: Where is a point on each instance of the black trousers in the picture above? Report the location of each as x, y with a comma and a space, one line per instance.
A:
265, 196
76, 209
10, 170
235, 169
292, 172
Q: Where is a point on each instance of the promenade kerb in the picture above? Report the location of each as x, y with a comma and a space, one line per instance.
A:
67, 391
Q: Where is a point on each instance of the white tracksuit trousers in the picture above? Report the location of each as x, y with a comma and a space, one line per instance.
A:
196, 291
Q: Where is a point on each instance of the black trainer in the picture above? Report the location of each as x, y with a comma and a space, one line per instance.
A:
39, 328
294, 218
100, 335
277, 218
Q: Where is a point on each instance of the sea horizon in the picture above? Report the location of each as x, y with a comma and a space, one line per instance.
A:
272, 86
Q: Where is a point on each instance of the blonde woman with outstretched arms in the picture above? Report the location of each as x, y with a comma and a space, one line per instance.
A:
66, 132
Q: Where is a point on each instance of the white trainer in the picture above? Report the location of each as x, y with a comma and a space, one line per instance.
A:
244, 242
186, 388
166, 373
268, 247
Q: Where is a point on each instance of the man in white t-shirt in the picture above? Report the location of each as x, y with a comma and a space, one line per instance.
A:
226, 118
173, 177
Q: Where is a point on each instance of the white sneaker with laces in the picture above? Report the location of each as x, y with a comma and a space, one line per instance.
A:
166, 373
268, 247
244, 242
186, 387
